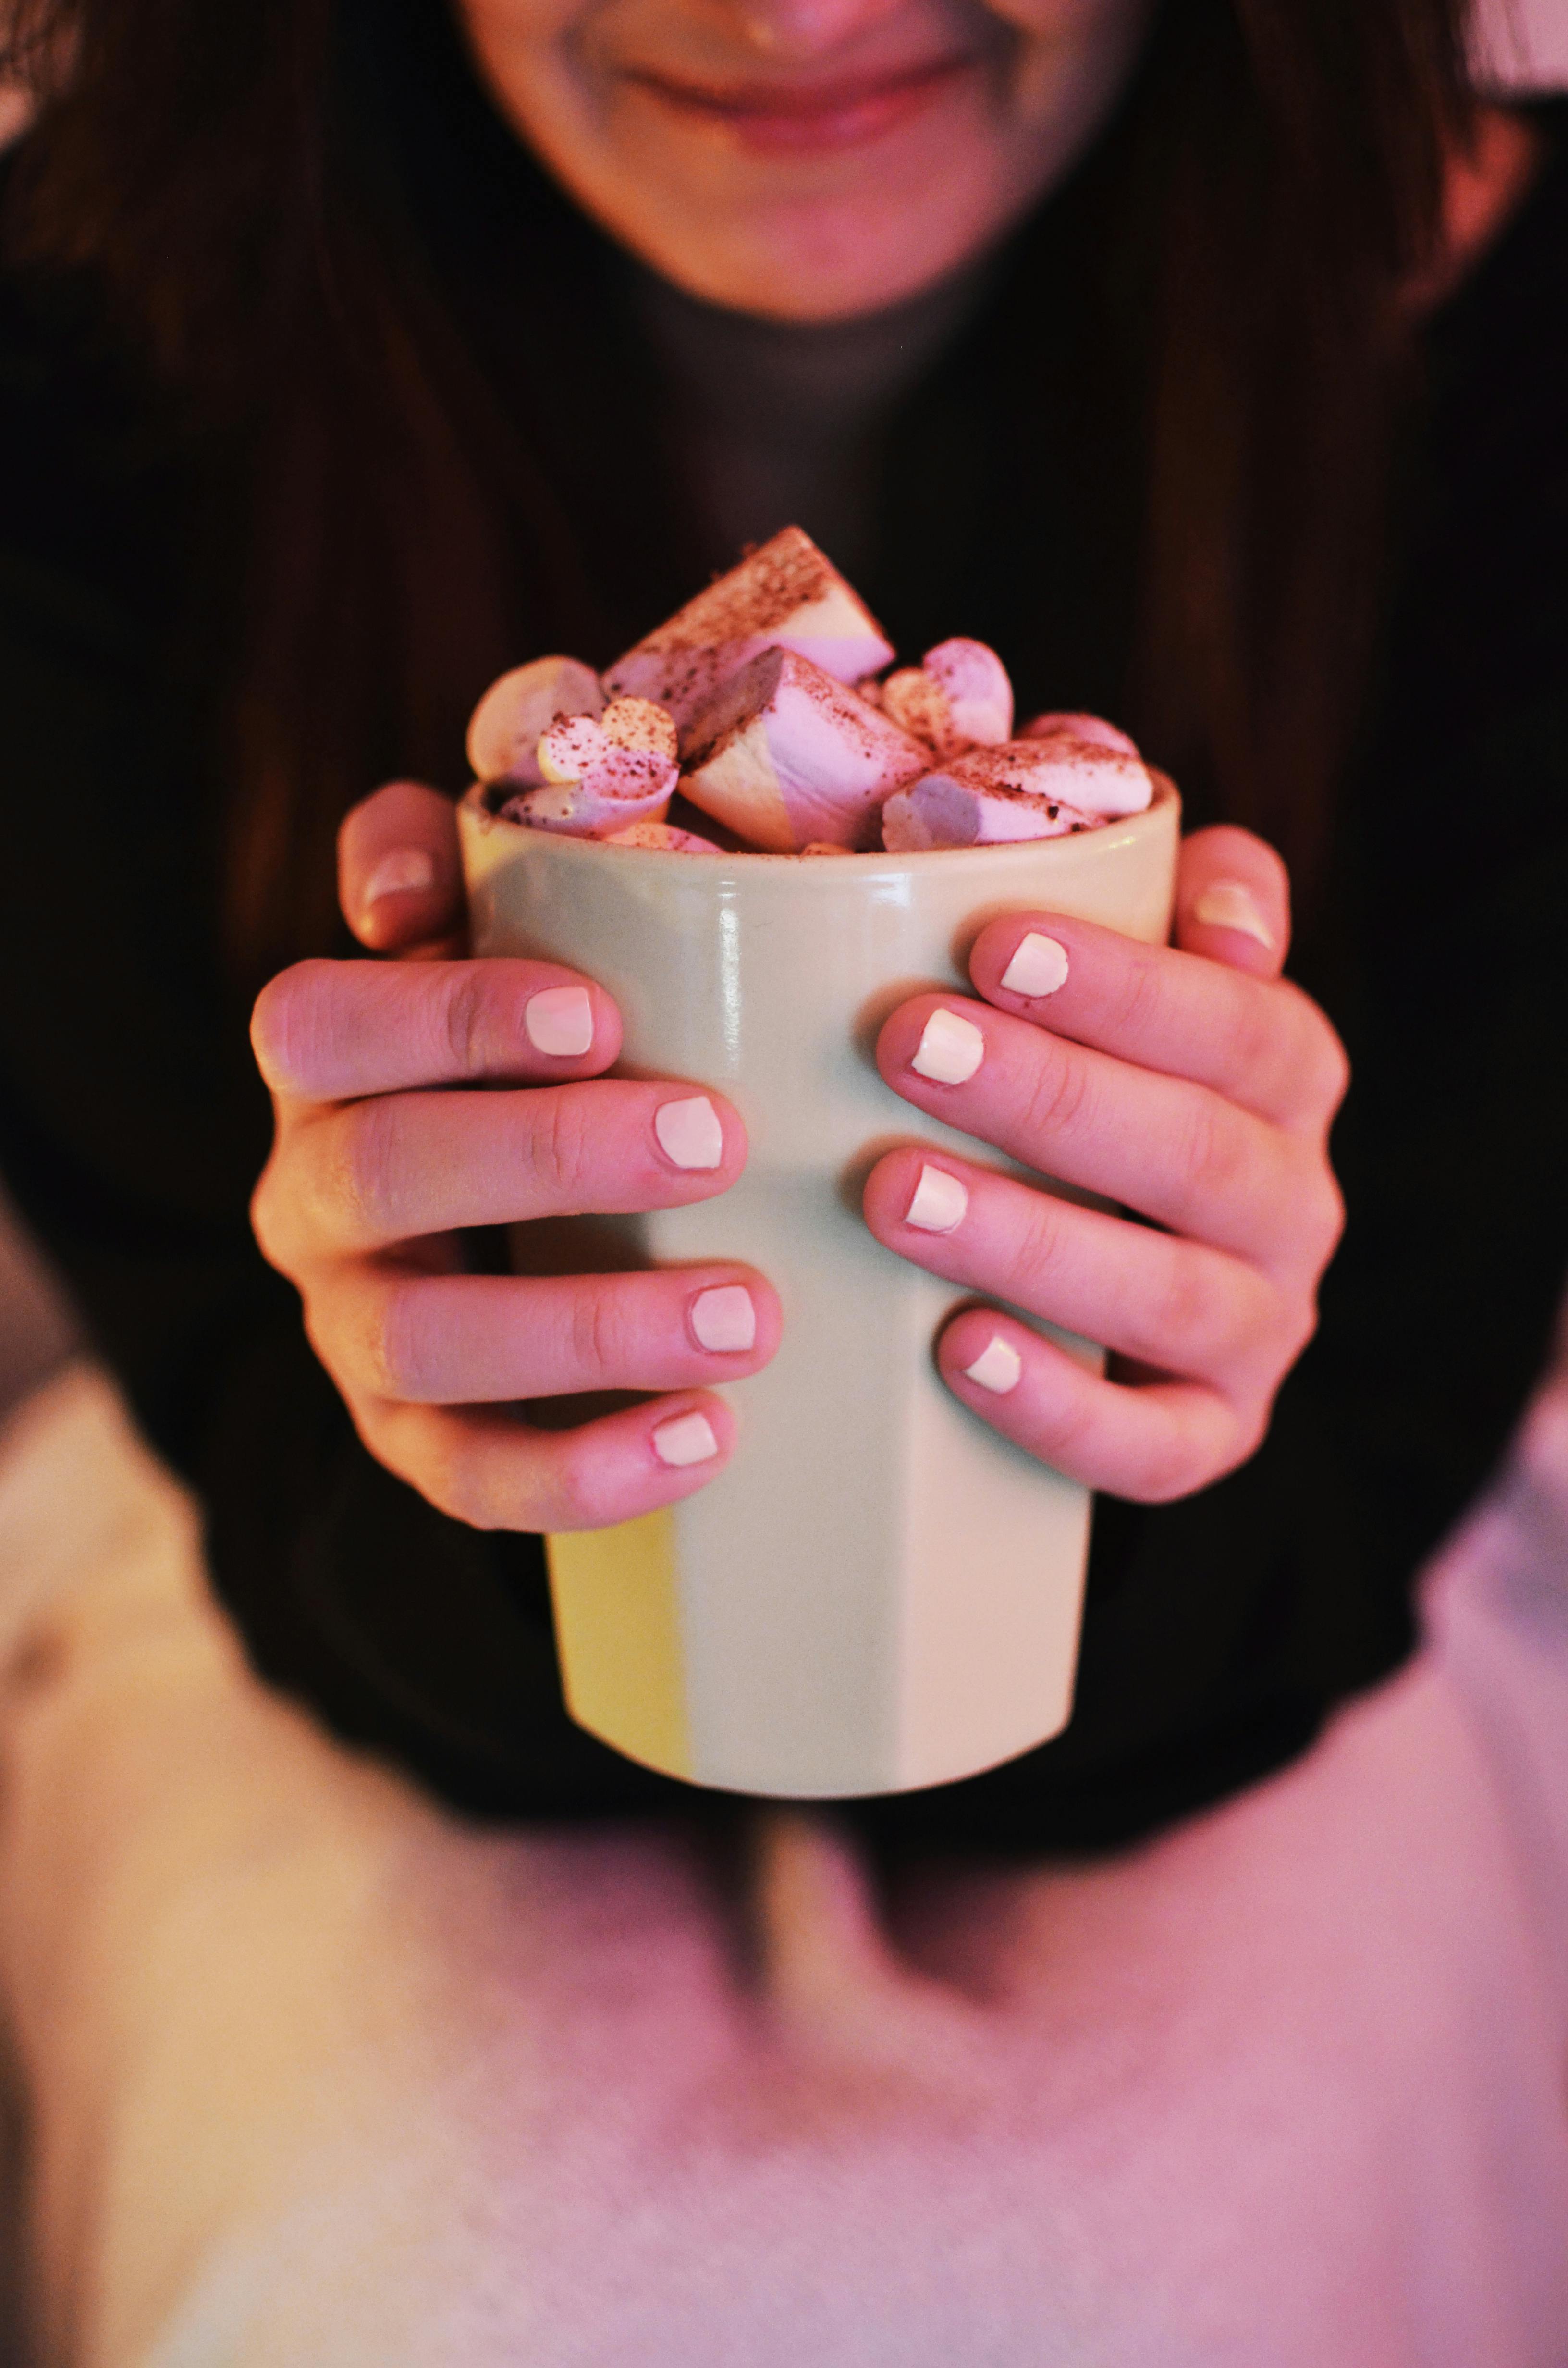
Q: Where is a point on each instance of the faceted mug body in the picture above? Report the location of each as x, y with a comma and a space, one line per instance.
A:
878, 1593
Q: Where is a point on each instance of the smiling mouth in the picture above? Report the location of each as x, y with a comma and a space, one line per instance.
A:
811, 115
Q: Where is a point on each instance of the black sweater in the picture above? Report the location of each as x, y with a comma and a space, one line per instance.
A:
1218, 1630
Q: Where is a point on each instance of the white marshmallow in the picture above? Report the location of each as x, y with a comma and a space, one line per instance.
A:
784, 595
1066, 725
504, 732
787, 756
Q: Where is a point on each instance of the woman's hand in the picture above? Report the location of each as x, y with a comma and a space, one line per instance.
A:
418, 1098
1192, 1087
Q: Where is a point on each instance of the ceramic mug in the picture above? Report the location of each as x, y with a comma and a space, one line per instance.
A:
878, 1592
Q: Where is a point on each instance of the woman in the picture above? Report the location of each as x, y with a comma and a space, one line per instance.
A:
358, 358
1204, 359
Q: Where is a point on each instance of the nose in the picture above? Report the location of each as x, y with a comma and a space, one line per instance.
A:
803, 29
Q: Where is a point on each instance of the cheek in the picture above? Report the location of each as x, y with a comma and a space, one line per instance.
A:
522, 50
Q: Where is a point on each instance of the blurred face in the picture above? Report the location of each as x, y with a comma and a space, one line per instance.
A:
806, 160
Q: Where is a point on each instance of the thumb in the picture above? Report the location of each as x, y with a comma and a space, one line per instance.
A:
399, 875
1233, 901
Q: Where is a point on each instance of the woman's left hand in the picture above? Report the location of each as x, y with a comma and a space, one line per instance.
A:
1188, 1084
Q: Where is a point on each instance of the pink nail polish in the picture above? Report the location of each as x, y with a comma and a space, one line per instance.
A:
560, 1020
939, 1202
685, 1438
689, 1133
949, 1051
724, 1319
1039, 967
997, 1368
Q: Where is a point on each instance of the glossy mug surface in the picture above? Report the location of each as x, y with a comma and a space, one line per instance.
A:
877, 1593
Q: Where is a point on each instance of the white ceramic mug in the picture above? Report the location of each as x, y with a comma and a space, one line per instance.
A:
878, 1592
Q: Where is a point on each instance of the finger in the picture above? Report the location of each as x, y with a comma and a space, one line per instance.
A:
1177, 1305
399, 872
327, 1031
496, 1473
1151, 1441
1176, 1152
392, 1332
1233, 901
1260, 1044
370, 1175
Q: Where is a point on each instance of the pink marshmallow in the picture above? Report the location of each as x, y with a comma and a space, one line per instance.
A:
787, 756
1070, 726
942, 811
785, 594
979, 695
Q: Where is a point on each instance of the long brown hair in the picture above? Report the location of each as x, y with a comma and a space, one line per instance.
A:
401, 500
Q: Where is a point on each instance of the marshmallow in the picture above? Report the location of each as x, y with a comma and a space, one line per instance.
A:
503, 733
1024, 789
958, 697
787, 756
1091, 728
974, 682
785, 594
639, 723
941, 811
663, 838
1090, 782
917, 703
595, 785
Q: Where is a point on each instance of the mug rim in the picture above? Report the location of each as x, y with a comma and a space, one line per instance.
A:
755, 864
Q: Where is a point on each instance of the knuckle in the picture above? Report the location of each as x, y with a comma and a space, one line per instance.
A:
264, 1217
1210, 1159
1193, 1317
464, 1018
1140, 993
599, 1332
1059, 1096
577, 1495
360, 1168
564, 1146
289, 1021
1173, 1464
1041, 1250
396, 1344
454, 1470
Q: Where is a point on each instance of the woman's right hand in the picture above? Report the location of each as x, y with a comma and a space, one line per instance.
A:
381, 1160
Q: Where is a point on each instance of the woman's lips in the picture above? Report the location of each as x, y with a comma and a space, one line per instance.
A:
811, 115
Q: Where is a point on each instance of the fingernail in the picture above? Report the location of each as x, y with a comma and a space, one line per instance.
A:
685, 1438
400, 871
997, 1367
1230, 905
725, 1317
1039, 967
689, 1133
939, 1202
560, 1020
949, 1051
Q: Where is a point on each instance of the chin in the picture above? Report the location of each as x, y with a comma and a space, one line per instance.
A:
823, 265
